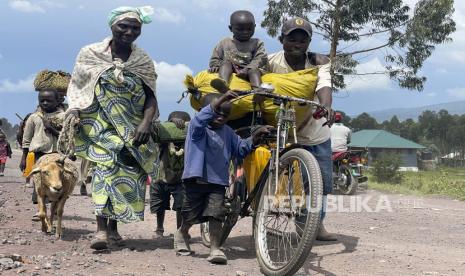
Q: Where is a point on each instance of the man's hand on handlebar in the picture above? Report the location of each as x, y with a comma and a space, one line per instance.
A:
326, 112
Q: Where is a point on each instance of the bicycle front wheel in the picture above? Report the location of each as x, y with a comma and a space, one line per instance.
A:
288, 214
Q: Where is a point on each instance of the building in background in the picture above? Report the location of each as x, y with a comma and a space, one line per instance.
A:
377, 142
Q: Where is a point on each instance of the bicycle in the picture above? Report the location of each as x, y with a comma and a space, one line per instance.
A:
286, 201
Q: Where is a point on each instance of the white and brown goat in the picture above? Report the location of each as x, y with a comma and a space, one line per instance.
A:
54, 178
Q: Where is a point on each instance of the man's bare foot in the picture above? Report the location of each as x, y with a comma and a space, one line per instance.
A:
324, 235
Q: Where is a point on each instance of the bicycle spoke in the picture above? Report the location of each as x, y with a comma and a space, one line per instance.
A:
283, 225
284, 241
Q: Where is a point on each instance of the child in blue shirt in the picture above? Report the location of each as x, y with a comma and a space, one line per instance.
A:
210, 146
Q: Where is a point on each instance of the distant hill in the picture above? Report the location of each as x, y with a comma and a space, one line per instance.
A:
414, 112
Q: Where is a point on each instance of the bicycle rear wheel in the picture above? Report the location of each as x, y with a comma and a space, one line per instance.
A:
288, 214
205, 234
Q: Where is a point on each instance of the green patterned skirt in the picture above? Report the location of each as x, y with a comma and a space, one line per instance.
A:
105, 137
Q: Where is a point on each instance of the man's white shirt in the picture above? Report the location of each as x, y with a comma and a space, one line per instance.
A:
340, 134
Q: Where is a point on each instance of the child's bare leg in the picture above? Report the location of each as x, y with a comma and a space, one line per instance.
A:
160, 221
178, 219
255, 77
2, 168
225, 72
181, 239
216, 255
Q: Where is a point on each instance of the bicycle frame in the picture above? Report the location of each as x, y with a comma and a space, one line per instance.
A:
286, 121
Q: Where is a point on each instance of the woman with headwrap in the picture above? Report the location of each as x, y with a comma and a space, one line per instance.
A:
112, 91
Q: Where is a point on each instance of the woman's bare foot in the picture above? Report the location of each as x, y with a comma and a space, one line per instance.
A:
100, 242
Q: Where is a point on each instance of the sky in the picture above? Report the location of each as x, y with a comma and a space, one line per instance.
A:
47, 34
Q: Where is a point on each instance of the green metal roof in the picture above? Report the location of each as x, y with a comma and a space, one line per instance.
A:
381, 139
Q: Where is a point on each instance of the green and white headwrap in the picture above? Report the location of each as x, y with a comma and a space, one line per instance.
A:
142, 14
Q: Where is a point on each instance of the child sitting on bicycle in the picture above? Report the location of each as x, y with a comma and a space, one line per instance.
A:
210, 146
240, 54
168, 177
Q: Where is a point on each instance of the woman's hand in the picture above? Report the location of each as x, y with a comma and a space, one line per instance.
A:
141, 134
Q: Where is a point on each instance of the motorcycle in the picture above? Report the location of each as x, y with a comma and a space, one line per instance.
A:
348, 170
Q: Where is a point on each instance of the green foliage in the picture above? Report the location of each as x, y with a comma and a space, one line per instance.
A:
441, 132
8, 129
444, 181
407, 38
363, 121
385, 168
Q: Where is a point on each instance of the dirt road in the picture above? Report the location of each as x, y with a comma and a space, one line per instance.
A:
385, 235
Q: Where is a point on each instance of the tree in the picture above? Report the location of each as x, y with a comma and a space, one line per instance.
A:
409, 129
393, 126
364, 121
8, 129
386, 168
406, 39
443, 125
427, 121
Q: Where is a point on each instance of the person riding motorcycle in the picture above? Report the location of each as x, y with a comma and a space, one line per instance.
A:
340, 134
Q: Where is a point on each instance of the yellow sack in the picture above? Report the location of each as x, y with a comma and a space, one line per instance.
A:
30, 161
201, 82
299, 84
254, 164
282, 196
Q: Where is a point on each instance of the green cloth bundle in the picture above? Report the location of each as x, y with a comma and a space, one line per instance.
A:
51, 80
168, 132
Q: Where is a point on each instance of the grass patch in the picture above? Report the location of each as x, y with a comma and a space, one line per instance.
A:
444, 181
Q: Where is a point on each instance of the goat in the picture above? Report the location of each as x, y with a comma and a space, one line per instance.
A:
54, 177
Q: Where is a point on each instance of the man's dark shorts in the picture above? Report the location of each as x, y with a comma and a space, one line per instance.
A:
160, 194
203, 201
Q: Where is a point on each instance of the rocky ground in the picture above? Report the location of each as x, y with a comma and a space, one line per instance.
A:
383, 235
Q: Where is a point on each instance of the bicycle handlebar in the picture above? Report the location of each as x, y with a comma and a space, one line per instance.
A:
322, 112
222, 87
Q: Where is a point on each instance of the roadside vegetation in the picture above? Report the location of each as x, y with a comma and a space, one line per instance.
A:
444, 181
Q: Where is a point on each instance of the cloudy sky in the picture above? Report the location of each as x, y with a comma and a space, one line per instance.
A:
39, 34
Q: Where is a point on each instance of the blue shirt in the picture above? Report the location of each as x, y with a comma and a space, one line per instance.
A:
208, 151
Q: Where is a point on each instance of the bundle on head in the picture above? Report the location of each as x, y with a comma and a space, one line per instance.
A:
54, 177
51, 80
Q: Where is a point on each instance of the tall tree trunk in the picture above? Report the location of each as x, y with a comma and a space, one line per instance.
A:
336, 25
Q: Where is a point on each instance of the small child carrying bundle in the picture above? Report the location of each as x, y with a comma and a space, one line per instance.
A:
171, 149
51, 80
